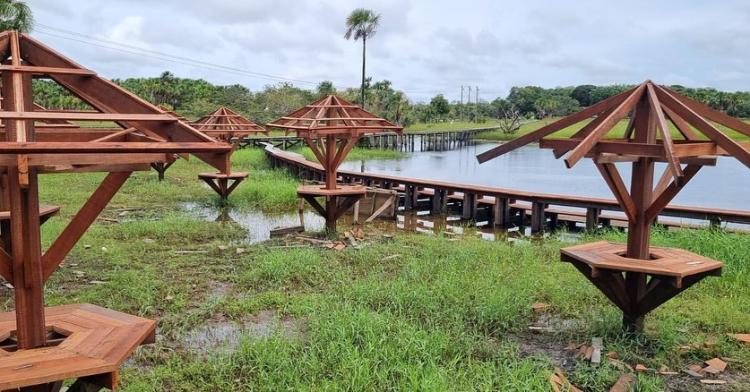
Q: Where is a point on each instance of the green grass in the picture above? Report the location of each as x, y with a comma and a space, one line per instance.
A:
617, 131
358, 154
449, 126
411, 312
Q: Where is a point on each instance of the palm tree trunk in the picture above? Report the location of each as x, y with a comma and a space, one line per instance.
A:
362, 89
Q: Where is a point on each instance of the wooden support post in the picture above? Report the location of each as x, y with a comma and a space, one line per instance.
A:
592, 218
409, 197
439, 205
537, 217
501, 212
469, 206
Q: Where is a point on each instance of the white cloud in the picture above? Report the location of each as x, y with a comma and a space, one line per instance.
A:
423, 46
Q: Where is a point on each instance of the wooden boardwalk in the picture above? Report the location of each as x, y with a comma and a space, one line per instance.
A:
503, 207
411, 141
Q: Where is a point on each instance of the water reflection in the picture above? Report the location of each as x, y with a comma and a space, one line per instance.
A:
533, 169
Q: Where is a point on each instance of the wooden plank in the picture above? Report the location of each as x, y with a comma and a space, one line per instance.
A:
672, 161
109, 147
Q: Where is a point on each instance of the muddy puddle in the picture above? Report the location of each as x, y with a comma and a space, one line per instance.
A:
225, 335
259, 224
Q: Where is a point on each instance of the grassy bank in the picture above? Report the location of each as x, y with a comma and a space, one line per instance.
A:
448, 126
617, 132
358, 154
401, 312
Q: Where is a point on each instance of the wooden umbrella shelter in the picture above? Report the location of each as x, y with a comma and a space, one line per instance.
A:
42, 346
225, 125
331, 127
636, 277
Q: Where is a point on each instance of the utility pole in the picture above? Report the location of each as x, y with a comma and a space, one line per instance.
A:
468, 100
476, 98
462, 93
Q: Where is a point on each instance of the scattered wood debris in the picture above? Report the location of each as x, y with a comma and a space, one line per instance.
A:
282, 231
560, 383
715, 366
540, 307
391, 257
664, 371
623, 383
596, 355
641, 368
694, 371
713, 382
742, 337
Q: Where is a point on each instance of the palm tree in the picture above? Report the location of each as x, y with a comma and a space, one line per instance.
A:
362, 23
15, 15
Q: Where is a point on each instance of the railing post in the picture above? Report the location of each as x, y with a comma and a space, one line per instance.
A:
501, 212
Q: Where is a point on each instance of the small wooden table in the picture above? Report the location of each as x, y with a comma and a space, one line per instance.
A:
85, 342
670, 270
338, 200
221, 182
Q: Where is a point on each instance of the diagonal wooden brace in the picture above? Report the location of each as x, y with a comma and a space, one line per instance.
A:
81, 222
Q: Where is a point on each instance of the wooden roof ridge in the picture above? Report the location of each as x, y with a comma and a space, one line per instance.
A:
226, 119
333, 113
25, 57
647, 101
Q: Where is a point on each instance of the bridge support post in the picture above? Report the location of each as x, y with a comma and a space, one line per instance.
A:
501, 212
469, 206
537, 217
439, 202
592, 218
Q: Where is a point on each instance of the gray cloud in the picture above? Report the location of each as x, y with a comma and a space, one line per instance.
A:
424, 47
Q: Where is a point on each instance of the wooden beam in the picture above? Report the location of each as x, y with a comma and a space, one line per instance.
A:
106, 96
81, 221
618, 187
669, 193
85, 116
711, 114
682, 126
673, 162
110, 147
549, 129
727, 143
46, 70
625, 107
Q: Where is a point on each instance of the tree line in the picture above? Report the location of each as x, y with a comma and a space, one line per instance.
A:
193, 98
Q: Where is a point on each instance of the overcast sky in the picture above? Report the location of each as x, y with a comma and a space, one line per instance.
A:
424, 47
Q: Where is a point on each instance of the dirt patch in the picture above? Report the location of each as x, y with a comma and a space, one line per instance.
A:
223, 334
684, 383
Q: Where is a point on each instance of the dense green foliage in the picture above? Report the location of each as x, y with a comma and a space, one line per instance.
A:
193, 98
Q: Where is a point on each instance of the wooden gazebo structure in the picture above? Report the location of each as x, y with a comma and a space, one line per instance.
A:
40, 347
636, 277
226, 125
331, 127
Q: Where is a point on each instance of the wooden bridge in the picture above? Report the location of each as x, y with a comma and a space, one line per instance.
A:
503, 207
411, 141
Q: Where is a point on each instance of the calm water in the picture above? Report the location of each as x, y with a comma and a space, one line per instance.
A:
727, 185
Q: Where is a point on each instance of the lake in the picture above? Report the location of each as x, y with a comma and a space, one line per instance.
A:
727, 185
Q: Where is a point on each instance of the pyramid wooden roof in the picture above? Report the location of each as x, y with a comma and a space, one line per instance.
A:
699, 128
225, 122
332, 115
145, 134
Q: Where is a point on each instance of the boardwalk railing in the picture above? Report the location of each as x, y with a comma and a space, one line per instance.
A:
408, 141
502, 206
